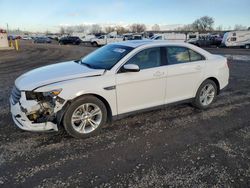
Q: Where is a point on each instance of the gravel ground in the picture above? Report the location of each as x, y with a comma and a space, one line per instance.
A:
177, 146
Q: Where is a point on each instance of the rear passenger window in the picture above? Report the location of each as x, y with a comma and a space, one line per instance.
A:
176, 55
194, 56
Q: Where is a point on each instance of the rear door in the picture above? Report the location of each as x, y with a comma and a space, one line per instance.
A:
185, 69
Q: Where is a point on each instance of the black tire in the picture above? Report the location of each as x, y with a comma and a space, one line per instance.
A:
74, 106
197, 101
94, 44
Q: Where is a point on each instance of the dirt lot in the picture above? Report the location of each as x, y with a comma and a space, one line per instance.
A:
178, 146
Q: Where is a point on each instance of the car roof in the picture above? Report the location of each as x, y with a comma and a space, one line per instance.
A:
148, 42
154, 43
134, 43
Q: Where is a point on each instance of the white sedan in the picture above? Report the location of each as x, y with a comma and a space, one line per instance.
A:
115, 80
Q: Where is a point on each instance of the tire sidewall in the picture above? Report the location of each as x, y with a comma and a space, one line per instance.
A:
197, 102
94, 44
75, 104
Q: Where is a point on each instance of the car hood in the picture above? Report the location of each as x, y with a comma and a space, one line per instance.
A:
54, 73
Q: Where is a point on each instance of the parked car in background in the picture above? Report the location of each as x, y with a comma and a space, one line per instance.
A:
237, 39
171, 37
53, 37
216, 40
13, 37
200, 42
10, 37
41, 40
105, 39
26, 37
132, 37
136, 37
69, 40
113, 81
87, 38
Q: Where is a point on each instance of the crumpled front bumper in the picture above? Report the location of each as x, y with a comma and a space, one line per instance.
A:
21, 120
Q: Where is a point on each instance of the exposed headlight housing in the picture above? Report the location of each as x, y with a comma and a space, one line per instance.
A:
31, 95
52, 93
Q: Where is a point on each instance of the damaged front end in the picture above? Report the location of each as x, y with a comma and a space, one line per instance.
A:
36, 111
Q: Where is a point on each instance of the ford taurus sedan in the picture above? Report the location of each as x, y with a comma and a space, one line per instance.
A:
114, 81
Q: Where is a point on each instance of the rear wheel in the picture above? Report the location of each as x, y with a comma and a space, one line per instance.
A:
205, 94
85, 117
247, 46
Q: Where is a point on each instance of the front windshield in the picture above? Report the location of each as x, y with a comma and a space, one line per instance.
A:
106, 57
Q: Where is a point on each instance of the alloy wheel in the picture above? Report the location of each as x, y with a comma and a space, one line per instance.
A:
86, 118
207, 94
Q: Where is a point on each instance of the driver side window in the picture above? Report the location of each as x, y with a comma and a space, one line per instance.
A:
148, 58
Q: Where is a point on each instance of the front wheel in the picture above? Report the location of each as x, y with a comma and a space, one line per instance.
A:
85, 117
205, 94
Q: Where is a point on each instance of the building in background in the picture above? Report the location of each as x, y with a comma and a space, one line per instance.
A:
3, 39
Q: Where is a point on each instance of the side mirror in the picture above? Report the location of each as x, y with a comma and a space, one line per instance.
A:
131, 68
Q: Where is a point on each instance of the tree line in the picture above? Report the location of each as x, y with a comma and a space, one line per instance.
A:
96, 28
206, 23
202, 24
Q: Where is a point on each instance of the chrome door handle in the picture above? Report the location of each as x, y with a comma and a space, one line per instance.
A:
158, 73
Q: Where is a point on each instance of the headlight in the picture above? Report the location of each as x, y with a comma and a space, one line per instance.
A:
31, 95
52, 93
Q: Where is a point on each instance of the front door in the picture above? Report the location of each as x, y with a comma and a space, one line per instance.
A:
143, 89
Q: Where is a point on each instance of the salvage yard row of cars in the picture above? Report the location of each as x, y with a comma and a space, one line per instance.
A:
114, 81
229, 39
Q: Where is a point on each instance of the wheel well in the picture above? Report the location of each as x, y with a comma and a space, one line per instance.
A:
109, 111
109, 115
216, 82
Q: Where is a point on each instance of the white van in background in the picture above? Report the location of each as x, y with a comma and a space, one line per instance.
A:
172, 37
236, 39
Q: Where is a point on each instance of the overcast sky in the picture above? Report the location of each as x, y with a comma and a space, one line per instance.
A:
42, 15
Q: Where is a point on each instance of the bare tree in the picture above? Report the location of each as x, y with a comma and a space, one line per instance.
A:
138, 28
219, 28
109, 29
62, 30
121, 30
240, 27
69, 30
95, 28
228, 28
188, 27
204, 23
156, 27
80, 28
47, 32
